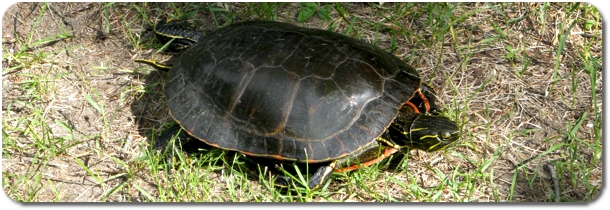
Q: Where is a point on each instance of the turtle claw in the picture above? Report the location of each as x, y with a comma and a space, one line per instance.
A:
283, 181
321, 175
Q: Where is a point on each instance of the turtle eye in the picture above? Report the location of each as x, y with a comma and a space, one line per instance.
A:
445, 135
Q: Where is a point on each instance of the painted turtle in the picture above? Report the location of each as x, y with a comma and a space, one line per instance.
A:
288, 93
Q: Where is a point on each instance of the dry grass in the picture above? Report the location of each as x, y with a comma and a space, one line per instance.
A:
523, 80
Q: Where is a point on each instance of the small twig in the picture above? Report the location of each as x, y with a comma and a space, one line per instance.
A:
81, 8
551, 168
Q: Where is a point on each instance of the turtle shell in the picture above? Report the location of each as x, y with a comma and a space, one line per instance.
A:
281, 91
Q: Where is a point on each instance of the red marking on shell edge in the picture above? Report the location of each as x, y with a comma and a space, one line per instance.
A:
387, 152
214, 145
278, 157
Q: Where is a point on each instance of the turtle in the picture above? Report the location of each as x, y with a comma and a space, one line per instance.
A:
287, 93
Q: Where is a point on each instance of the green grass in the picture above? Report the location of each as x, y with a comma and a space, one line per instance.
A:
515, 135
33, 127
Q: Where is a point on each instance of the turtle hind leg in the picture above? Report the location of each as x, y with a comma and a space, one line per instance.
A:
170, 143
181, 34
155, 64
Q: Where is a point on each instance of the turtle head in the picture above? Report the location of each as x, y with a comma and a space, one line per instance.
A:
424, 132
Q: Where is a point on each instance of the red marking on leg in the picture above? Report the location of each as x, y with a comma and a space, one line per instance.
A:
426, 103
387, 152
413, 106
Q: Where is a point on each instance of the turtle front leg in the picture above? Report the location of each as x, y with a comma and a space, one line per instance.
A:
321, 175
318, 178
424, 101
367, 156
